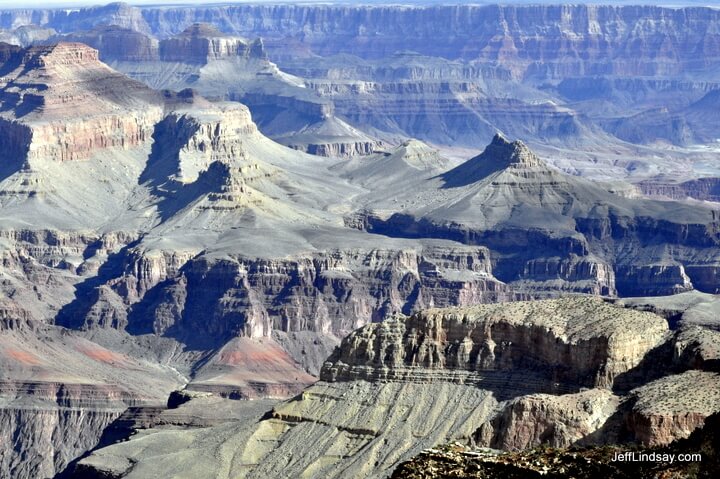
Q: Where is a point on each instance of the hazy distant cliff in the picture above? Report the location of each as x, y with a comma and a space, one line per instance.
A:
555, 39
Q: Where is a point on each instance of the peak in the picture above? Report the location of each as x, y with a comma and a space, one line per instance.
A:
500, 154
257, 49
413, 143
416, 146
499, 140
62, 53
119, 5
504, 152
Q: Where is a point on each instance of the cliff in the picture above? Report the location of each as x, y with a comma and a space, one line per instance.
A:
555, 337
510, 201
201, 43
540, 41
699, 452
62, 104
115, 43
59, 391
593, 39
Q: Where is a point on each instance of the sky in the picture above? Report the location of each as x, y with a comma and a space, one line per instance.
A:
55, 3
76, 3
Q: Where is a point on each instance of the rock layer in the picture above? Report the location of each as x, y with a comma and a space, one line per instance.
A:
61, 104
577, 342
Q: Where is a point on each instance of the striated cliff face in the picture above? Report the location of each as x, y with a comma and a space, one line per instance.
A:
565, 463
58, 393
674, 406
179, 236
49, 436
116, 43
26, 35
706, 189
68, 20
329, 293
201, 42
447, 112
61, 104
555, 421
193, 140
546, 40
553, 336
514, 204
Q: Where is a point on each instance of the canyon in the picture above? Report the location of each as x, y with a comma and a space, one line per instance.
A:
511, 375
321, 240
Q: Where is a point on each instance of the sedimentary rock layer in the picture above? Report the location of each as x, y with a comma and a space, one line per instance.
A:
578, 342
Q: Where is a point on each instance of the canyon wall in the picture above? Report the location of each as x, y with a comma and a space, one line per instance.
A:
536, 40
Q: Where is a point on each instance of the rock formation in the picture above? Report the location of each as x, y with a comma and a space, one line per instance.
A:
395, 388
201, 43
509, 201
59, 391
116, 44
512, 35
644, 463
517, 337
26, 35
61, 104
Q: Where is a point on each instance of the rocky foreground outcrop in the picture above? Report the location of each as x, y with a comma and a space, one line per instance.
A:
699, 454
472, 375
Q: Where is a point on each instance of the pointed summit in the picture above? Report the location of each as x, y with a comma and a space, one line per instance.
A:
418, 155
507, 153
500, 154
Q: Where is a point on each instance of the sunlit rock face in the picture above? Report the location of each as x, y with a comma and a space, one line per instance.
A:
62, 104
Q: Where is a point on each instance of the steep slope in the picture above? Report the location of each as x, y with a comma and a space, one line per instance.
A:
547, 228
60, 104
699, 453
545, 40
170, 231
616, 38
69, 20
116, 44
409, 161
203, 214
445, 102
26, 35
59, 391
43, 85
